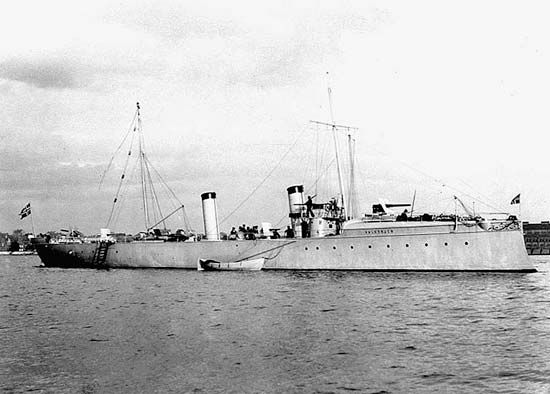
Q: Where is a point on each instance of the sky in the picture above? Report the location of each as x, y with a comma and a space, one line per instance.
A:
449, 98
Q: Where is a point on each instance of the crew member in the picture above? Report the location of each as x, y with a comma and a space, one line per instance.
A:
305, 229
403, 217
309, 206
289, 233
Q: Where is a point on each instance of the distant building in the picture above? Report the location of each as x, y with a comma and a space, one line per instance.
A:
537, 237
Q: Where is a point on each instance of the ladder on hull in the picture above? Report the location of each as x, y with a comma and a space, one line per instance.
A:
100, 255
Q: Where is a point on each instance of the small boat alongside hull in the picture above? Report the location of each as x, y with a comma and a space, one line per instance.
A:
245, 265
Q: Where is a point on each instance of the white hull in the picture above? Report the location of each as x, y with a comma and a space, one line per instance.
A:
419, 248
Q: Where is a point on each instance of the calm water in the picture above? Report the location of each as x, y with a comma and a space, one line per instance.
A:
88, 331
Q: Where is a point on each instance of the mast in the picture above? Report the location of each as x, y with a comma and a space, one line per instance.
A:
142, 169
351, 190
150, 201
345, 203
32, 224
336, 128
340, 180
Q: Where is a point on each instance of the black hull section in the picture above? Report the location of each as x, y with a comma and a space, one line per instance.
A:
53, 257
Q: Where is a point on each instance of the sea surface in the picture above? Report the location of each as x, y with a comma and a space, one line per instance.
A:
172, 331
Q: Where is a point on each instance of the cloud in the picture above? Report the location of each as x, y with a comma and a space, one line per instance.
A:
42, 73
175, 20
180, 42
247, 44
73, 51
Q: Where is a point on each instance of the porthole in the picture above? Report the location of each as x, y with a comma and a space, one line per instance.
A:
351, 247
406, 245
446, 244
466, 243
306, 248
334, 247
317, 248
426, 244
387, 246
236, 245
370, 246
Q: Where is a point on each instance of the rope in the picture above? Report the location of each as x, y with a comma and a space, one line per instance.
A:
155, 201
439, 181
117, 194
265, 251
165, 183
311, 187
263, 180
117, 149
173, 195
150, 196
118, 210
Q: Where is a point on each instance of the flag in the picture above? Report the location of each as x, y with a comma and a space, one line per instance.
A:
26, 211
515, 200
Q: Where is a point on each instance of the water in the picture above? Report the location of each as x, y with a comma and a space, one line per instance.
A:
87, 331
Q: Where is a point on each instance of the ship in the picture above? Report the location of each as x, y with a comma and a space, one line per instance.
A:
319, 236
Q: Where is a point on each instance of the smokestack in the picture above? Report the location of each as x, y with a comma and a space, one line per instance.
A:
296, 208
210, 216
295, 200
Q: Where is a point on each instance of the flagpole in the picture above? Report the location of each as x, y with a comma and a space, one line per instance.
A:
517, 200
519, 215
32, 224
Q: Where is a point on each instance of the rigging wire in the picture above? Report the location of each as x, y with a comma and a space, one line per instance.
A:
263, 181
314, 186
154, 197
149, 195
429, 186
142, 175
309, 167
117, 149
173, 194
353, 200
440, 182
149, 199
122, 196
480, 194
121, 178
362, 177
165, 183
322, 145
316, 154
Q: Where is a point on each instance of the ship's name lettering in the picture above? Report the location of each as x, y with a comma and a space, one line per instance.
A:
378, 231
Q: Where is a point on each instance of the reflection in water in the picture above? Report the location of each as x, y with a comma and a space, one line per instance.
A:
175, 331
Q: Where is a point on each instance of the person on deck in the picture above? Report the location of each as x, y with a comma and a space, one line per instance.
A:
333, 207
309, 206
403, 217
305, 228
289, 233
